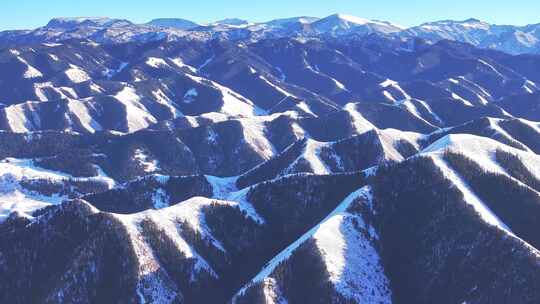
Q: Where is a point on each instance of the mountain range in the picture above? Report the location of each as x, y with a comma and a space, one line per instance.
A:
506, 38
301, 160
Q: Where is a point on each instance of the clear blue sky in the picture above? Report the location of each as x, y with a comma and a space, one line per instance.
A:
20, 14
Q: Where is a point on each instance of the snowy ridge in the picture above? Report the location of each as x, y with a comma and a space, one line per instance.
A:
359, 122
17, 119
148, 165
31, 72
254, 134
312, 155
15, 198
348, 254
76, 74
233, 103
153, 284
81, 110
167, 219
224, 189
479, 206
482, 151
137, 115
469, 196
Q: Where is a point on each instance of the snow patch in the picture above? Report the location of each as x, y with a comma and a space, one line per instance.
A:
361, 124
148, 165
76, 74
30, 72
190, 95
469, 196
156, 62
254, 134
137, 115
81, 111
15, 198
349, 255
160, 199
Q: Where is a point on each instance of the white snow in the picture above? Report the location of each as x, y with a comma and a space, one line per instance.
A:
338, 84
156, 62
51, 44
76, 74
483, 92
361, 124
533, 124
491, 67
351, 259
180, 63
190, 95
96, 88
148, 165
254, 135
15, 198
17, 118
39, 90
388, 82
272, 293
224, 189
31, 72
482, 151
280, 90
137, 115
530, 87
191, 211
304, 107
153, 283
311, 155
168, 220
233, 103
406, 101
160, 199
353, 19
413, 138
469, 196
463, 100
163, 99
298, 132
430, 110
347, 249
81, 111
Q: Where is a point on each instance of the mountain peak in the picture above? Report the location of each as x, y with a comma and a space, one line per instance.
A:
350, 18
232, 21
71, 22
177, 23
473, 20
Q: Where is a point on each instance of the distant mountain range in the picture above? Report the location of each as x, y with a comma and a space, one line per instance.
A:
506, 38
302, 160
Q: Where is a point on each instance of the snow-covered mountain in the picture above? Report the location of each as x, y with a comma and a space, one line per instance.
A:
506, 38
178, 23
301, 160
340, 24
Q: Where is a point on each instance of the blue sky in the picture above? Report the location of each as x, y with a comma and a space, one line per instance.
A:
19, 14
